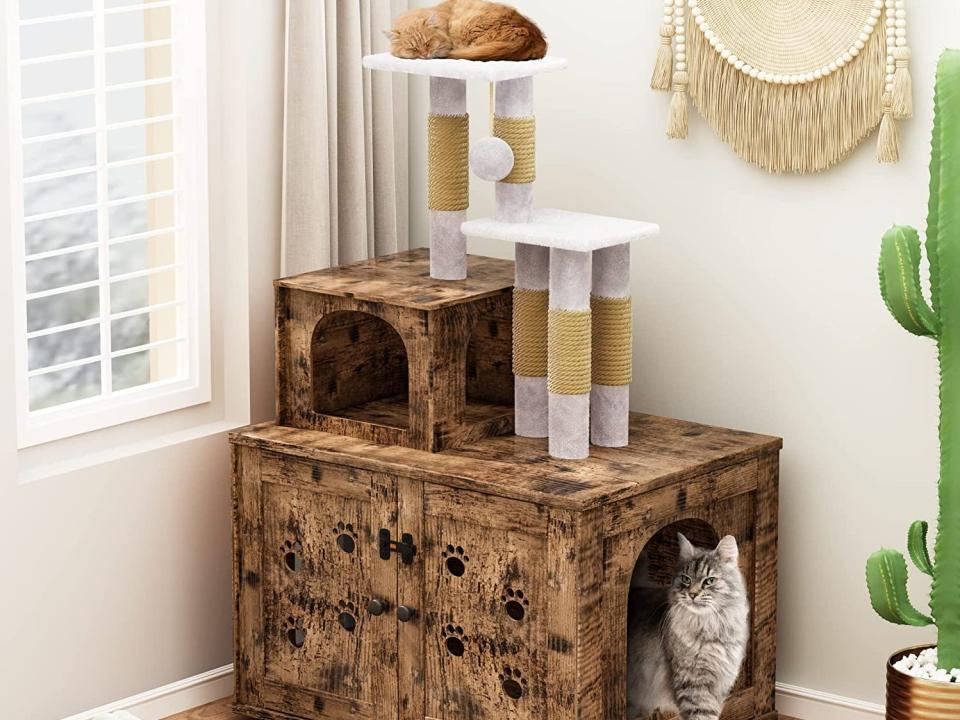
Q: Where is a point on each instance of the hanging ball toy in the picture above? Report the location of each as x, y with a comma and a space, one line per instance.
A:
491, 159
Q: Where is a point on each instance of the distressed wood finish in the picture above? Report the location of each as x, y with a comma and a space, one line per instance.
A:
662, 452
382, 352
522, 562
220, 710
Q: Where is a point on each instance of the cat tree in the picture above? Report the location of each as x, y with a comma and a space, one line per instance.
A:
572, 314
399, 553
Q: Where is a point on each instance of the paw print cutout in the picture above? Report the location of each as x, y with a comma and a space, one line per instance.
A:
295, 633
455, 640
347, 615
455, 560
513, 683
292, 554
346, 537
515, 603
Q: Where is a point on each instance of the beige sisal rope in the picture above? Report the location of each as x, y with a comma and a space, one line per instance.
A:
448, 177
520, 135
612, 340
568, 341
530, 332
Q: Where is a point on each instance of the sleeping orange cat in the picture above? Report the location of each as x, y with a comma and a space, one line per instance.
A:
469, 30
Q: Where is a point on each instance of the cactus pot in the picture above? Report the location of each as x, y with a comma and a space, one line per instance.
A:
912, 698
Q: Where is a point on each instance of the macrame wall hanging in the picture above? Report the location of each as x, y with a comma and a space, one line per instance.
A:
791, 85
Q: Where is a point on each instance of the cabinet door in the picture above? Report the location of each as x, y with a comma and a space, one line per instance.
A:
484, 565
324, 654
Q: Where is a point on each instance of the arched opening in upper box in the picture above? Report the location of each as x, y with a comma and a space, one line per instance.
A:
359, 369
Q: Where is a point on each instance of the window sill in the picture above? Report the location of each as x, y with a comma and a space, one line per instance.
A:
33, 469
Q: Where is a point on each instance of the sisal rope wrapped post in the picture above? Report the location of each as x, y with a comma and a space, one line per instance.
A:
448, 177
530, 349
520, 134
612, 347
568, 354
513, 122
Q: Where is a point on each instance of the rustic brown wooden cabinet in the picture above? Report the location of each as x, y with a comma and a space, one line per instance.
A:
509, 599
398, 555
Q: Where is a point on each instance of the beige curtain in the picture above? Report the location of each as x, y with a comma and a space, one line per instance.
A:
345, 137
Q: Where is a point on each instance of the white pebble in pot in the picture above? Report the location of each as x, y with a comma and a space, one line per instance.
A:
491, 159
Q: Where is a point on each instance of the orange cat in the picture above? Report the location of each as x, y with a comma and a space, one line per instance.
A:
466, 29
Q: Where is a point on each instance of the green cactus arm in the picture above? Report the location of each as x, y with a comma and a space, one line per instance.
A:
917, 544
887, 583
900, 281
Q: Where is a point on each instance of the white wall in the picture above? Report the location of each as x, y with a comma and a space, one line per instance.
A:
116, 579
757, 309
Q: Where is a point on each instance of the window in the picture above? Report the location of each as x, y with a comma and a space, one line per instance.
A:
108, 152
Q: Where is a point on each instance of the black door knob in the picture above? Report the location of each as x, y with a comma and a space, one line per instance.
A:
377, 606
405, 613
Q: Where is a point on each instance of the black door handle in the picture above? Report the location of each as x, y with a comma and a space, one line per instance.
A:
403, 547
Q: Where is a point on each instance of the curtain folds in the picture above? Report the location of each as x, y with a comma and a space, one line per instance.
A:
345, 137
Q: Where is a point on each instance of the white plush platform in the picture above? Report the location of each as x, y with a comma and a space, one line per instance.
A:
563, 229
488, 70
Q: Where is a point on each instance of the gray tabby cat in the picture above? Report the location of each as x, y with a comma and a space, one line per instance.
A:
686, 642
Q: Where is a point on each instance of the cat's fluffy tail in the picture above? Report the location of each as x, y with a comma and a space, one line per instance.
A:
501, 50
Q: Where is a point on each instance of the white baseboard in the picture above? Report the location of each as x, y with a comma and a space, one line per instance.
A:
806, 704
170, 699
792, 701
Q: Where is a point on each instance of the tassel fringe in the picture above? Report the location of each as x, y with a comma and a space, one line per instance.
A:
888, 140
678, 121
902, 84
787, 128
663, 67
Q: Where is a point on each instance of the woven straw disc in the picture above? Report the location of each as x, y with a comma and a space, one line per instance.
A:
787, 36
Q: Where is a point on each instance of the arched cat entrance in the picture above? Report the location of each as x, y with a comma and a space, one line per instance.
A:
655, 569
358, 369
659, 555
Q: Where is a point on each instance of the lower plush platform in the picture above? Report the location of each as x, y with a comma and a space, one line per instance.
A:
563, 229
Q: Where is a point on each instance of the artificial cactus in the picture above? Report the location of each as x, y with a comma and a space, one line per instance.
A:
900, 286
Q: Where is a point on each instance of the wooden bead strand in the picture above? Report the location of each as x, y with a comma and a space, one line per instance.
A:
662, 78
678, 118
899, 82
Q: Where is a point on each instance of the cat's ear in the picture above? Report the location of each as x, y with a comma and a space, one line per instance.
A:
433, 20
391, 35
727, 550
687, 550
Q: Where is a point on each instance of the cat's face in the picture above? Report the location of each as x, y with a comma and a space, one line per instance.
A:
418, 34
706, 579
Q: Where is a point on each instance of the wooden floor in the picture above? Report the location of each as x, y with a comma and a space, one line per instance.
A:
220, 710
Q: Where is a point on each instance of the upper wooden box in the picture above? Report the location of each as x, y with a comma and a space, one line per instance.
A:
380, 351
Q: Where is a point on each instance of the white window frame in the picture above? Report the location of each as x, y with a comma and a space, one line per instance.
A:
191, 241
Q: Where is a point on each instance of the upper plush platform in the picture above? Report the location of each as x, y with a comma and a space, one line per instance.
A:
563, 229
488, 70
